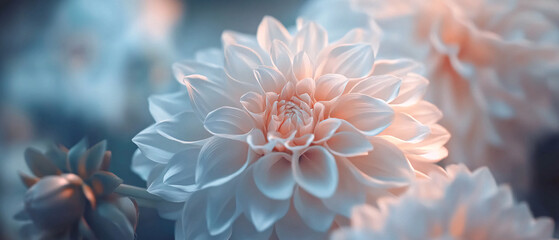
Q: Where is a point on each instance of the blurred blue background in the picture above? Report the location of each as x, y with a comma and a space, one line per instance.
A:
75, 68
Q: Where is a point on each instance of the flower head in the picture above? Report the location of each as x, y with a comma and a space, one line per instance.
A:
286, 132
460, 205
71, 195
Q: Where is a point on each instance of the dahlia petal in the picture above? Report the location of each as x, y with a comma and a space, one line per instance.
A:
207, 94
298, 144
369, 115
240, 62
397, 67
348, 144
351, 61
412, 89
302, 66
349, 193
315, 171
281, 57
329, 86
270, 79
253, 103
193, 225
176, 130
186, 68
436, 139
406, 128
312, 211
220, 160
222, 209
228, 122
141, 165
210, 56
258, 143
179, 229
164, 106
170, 210
156, 186
385, 87
261, 210
385, 166
305, 86
427, 168
157, 147
423, 111
325, 129
181, 170
357, 35
292, 227
273, 177
287, 92
434, 156
244, 229
229, 38
269, 30
312, 38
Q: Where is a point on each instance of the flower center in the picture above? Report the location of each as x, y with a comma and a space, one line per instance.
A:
294, 115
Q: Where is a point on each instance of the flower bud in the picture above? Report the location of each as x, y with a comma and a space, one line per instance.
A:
55, 203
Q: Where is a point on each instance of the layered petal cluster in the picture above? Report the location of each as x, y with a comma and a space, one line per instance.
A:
71, 196
281, 134
493, 66
458, 205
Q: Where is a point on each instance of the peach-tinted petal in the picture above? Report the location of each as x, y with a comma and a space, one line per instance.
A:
352, 60
312, 38
349, 144
325, 129
370, 115
240, 62
269, 30
385, 87
412, 89
372, 170
270, 79
407, 128
207, 94
329, 86
303, 66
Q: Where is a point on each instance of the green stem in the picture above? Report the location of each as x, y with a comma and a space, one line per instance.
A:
141, 195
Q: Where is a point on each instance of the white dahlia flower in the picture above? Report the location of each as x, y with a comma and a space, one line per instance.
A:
494, 67
458, 206
282, 134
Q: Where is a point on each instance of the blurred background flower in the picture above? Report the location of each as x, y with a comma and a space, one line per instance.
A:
493, 67
72, 195
458, 204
